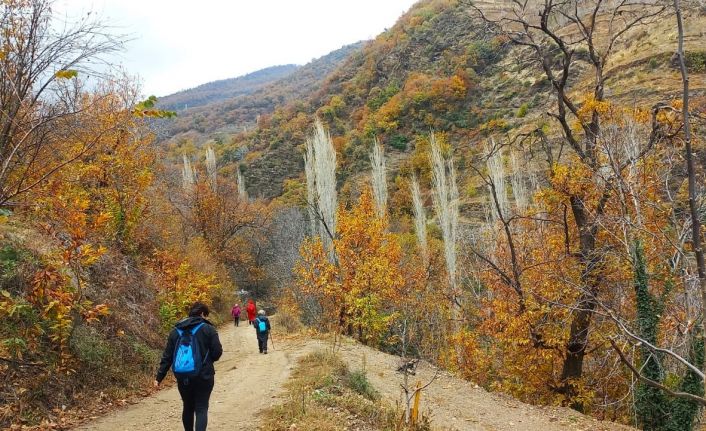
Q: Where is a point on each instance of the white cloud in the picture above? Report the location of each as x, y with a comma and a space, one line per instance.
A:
181, 44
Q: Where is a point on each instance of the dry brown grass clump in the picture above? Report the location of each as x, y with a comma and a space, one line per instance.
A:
324, 395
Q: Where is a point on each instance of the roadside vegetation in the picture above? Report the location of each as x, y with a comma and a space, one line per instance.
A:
324, 394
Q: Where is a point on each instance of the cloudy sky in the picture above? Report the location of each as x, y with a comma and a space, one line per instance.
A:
179, 44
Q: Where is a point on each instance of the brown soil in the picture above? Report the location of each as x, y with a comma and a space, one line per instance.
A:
455, 404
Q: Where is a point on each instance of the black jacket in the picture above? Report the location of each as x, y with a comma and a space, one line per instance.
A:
209, 346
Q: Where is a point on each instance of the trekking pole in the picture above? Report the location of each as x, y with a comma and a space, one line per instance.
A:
272, 340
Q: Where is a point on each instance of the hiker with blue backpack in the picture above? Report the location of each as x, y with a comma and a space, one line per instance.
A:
262, 329
192, 348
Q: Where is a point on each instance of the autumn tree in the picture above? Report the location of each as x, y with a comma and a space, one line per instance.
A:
320, 163
357, 291
230, 225
552, 32
41, 100
420, 219
666, 406
379, 178
446, 206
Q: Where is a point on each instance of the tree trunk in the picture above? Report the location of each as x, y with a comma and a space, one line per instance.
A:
590, 280
690, 169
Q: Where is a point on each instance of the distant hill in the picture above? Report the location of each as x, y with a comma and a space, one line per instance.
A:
223, 89
233, 113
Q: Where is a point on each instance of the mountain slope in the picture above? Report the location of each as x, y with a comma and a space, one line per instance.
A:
217, 91
234, 113
441, 68
428, 71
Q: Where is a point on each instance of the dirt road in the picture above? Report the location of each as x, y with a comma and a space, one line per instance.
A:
247, 382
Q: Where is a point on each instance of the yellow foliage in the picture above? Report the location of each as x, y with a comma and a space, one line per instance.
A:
179, 286
356, 290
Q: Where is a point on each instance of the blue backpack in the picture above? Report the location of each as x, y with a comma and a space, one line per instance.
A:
187, 356
261, 325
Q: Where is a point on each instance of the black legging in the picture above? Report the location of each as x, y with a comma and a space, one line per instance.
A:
195, 395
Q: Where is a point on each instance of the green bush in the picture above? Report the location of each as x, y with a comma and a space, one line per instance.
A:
358, 381
14, 346
378, 97
480, 53
522, 111
399, 142
9, 258
91, 348
696, 61
147, 355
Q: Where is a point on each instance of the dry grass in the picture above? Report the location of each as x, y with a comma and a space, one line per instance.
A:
287, 322
324, 395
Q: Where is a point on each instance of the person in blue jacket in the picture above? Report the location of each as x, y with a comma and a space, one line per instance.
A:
262, 330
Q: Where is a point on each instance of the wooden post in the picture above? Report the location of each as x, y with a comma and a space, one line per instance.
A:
415, 407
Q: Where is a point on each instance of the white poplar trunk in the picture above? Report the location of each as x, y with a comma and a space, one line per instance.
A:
379, 179
187, 175
420, 220
211, 167
242, 191
321, 160
519, 188
311, 202
496, 174
445, 196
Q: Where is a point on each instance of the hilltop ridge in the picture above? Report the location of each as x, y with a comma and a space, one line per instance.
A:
216, 91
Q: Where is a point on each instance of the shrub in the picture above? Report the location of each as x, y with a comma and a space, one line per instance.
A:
320, 390
289, 313
147, 355
522, 111
90, 347
399, 142
696, 61
358, 381
9, 258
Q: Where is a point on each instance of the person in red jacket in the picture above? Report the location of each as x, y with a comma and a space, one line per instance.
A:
252, 311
